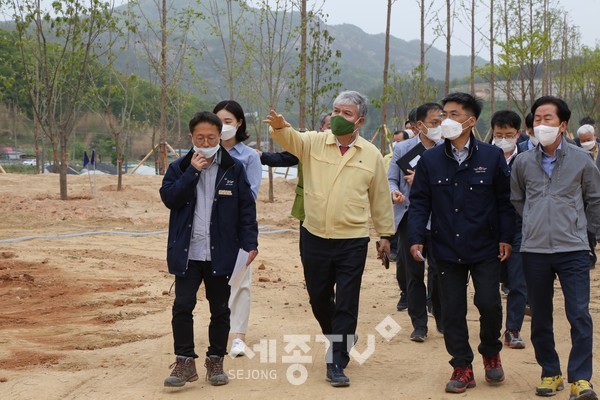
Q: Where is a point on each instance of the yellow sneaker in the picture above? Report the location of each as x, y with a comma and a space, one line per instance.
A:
582, 390
550, 385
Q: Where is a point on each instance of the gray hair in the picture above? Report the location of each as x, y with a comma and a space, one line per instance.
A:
322, 119
585, 129
353, 97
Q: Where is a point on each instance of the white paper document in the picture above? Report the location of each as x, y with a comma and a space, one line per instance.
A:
239, 270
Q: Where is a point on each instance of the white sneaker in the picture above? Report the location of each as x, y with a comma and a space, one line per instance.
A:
238, 348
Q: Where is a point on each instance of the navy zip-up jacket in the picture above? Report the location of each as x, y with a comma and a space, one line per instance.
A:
233, 220
469, 203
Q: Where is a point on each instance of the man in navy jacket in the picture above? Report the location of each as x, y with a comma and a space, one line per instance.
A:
213, 216
465, 185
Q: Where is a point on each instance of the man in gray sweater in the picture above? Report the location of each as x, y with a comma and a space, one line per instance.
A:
555, 187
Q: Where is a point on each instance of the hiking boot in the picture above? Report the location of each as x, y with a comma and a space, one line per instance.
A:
462, 379
214, 371
336, 376
184, 370
418, 335
582, 390
402, 303
513, 339
493, 369
550, 385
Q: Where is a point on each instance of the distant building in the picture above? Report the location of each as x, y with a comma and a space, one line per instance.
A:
9, 153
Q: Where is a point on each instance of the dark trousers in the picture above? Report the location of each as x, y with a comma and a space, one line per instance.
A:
517, 291
416, 292
572, 269
217, 294
403, 248
454, 280
340, 263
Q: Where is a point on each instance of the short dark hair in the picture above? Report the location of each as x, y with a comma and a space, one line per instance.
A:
587, 121
562, 109
505, 118
412, 116
403, 133
238, 112
424, 109
529, 121
205, 116
470, 103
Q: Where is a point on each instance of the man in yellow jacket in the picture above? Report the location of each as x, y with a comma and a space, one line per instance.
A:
345, 182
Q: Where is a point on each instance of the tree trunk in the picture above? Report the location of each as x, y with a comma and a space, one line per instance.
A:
422, 60
492, 71
63, 165
162, 158
472, 47
302, 100
508, 77
386, 63
448, 41
119, 152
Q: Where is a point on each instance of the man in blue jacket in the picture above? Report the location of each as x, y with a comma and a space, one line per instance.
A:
464, 185
213, 216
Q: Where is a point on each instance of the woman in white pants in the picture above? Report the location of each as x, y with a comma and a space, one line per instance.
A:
232, 138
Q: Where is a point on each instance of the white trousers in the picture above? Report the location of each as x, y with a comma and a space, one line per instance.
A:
239, 303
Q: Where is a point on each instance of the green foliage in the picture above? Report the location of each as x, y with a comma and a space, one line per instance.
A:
322, 70
402, 94
584, 76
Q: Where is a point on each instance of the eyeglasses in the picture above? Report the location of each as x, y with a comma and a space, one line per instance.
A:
208, 139
453, 115
506, 136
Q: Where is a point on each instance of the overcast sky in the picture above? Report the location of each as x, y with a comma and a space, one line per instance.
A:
370, 15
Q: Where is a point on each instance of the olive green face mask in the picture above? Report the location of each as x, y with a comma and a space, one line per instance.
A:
340, 126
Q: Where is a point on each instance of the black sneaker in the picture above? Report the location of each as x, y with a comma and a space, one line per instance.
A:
418, 335
336, 376
513, 339
462, 379
493, 369
402, 303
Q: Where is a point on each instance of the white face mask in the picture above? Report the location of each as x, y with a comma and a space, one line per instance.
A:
434, 134
410, 133
546, 134
228, 132
451, 129
207, 152
534, 141
588, 145
507, 145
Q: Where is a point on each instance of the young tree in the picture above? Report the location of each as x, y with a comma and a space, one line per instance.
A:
55, 73
322, 70
226, 20
384, 130
116, 100
165, 44
427, 17
270, 48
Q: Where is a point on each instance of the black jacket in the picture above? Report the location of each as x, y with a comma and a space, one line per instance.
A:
233, 220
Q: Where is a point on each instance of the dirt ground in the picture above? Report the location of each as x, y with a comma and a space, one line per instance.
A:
85, 310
